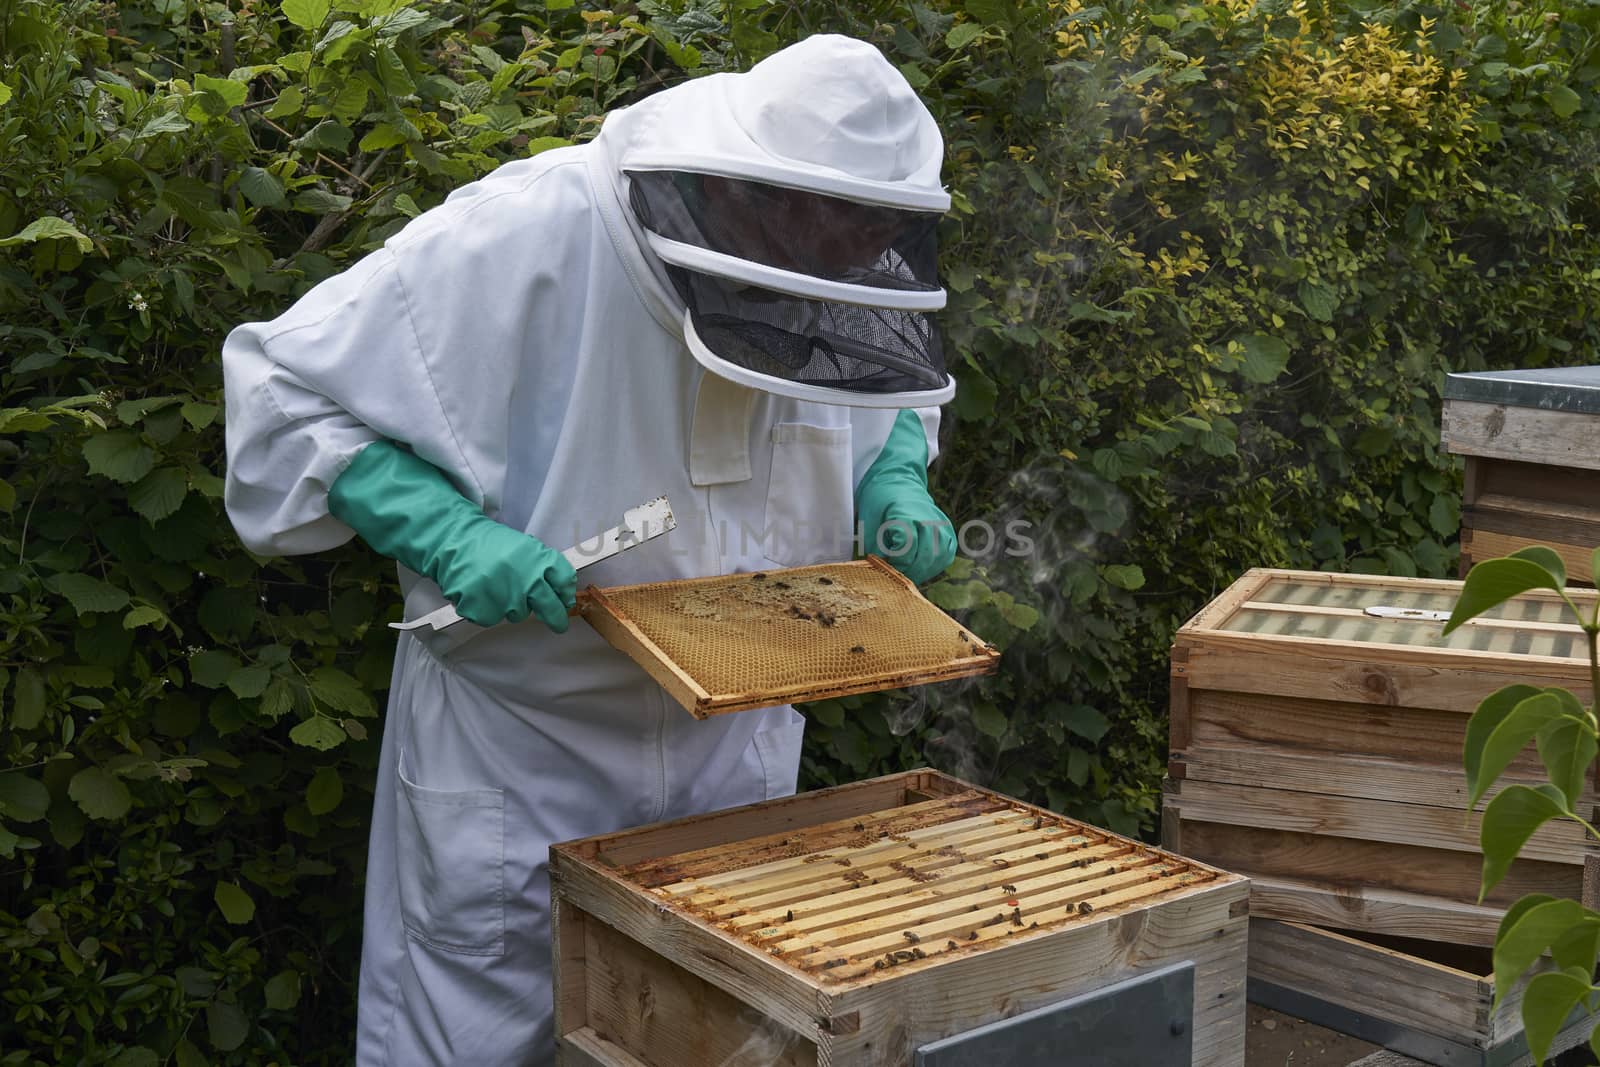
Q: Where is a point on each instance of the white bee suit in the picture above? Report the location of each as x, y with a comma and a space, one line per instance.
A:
521, 338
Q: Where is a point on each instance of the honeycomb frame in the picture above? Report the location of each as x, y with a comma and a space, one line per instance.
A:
754, 640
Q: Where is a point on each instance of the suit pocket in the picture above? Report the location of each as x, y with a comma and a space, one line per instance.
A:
778, 749
810, 496
452, 867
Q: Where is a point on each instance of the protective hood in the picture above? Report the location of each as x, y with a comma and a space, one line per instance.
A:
793, 210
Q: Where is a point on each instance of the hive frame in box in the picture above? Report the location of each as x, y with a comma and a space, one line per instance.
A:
642, 979
1264, 797
613, 623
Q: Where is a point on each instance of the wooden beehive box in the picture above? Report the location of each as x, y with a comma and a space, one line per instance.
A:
1430, 1001
1316, 747
1531, 440
851, 926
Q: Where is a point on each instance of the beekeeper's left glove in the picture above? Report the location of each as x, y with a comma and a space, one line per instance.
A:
899, 520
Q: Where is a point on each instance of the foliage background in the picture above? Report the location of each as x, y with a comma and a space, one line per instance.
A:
1208, 262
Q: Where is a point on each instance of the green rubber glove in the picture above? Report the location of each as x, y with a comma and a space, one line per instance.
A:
900, 521
405, 508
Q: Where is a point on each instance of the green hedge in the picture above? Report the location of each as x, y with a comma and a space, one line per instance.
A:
1208, 264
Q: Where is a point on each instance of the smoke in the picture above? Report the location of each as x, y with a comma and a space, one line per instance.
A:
767, 1044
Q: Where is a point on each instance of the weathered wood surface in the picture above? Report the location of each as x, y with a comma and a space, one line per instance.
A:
1344, 865
1527, 435
1479, 544
1402, 824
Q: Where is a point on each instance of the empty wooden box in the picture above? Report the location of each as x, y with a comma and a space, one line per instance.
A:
1429, 1001
1532, 445
1317, 730
857, 925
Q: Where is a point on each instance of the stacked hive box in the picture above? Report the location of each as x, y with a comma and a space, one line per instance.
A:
1318, 722
883, 923
1533, 462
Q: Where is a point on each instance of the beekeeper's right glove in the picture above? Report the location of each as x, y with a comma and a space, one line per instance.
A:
405, 508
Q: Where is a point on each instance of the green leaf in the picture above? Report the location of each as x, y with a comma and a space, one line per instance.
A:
5, 92
212, 668
278, 699
231, 92
159, 493
99, 793
289, 103
1563, 101
249, 682
1568, 749
1128, 576
1508, 738
131, 411
234, 903
1022, 616
957, 596
185, 1054
915, 75
47, 228
325, 791
226, 1025
1493, 582
307, 14
1264, 358
544, 144
88, 595
1493, 711
1527, 935
1548, 558
318, 732
120, 455
200, 415
988, 11
1444, 515
1318, 300
328, 135
166, 122
1088, 723
321, 202
1547, 1002
341, 692
1509, 820
990, 720
283, 990
22, 798
961, 35
263, 189
27, 699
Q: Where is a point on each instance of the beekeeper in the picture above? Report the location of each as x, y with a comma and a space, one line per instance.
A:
724, 298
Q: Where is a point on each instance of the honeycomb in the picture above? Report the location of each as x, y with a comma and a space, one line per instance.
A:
778, 636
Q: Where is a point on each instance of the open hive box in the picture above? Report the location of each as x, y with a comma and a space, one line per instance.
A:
1318, 722
856, 925
743, 641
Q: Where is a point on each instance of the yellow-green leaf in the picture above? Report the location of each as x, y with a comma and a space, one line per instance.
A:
234, 903
47, 228
307, 14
